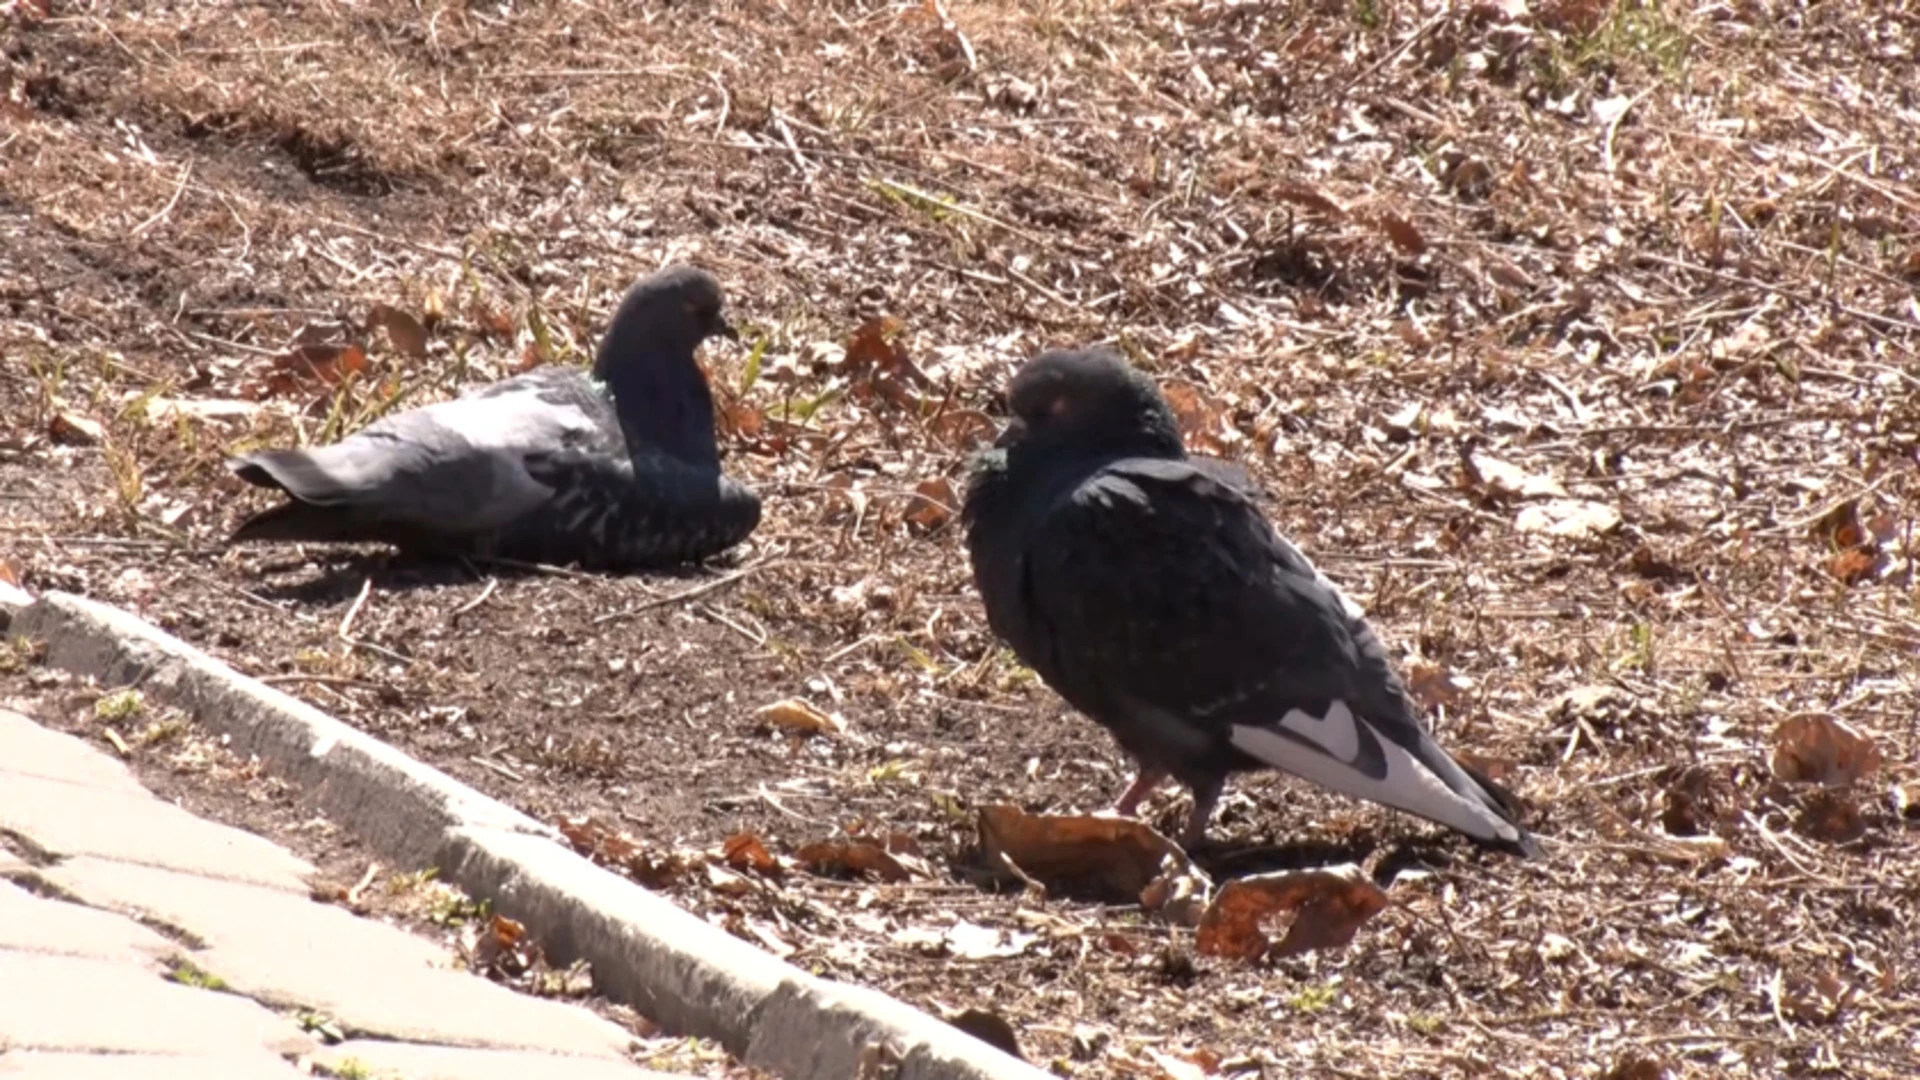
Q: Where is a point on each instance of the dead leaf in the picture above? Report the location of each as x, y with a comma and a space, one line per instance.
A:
162, 409
856, 856
1822, 750
491, 322
990, 1028
1199, 414
934, 503
73, 429
971, 941
962, 428
325, 364
1840, 527
1503, 478
8, 575
1433, 687
793, 714
1401, 231
1120, 855
1854, 565
1197, 1065
1637, 1067
1328, 907
1829, 816
1575, 519
407, 336
744, 851
1301, 195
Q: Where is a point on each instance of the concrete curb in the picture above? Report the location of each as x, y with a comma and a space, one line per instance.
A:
677, 969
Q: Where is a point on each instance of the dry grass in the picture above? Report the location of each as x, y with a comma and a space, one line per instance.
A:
1427, 269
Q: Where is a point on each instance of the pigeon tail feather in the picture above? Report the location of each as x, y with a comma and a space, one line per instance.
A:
1343, 752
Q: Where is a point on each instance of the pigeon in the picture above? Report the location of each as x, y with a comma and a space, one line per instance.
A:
613, 468
1146, 588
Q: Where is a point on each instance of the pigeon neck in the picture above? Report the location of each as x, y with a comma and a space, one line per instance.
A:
661, 397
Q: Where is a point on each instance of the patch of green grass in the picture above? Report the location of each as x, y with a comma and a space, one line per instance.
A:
351, 1069
1426, 1025
321, 1026
1647, 32
119, 705
187, 973
1313, 999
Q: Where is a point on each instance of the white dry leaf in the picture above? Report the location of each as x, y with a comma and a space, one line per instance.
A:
1576, 519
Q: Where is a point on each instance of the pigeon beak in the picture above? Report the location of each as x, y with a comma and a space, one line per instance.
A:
722, 328
1015, 431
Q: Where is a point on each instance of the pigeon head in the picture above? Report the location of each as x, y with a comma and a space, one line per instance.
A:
646, 361
1087, 401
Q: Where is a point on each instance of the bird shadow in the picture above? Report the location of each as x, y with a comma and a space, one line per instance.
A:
342, 574
1396, 857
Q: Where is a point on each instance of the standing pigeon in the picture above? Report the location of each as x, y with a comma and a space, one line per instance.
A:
1145, 588
611, 469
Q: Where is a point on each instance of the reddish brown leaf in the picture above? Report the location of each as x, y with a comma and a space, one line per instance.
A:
315, 363
1327, 906
934, 504
1840, 527
1401, 232
493, 323
1121, 855
1301, 195
407, 336
853, 857
793, 714
1822, 750
875, 346
744, 851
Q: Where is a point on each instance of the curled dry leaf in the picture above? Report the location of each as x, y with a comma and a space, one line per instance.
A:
1120, 856
990, 1028
1577, 519
1401, 232
744, 852
1822, 750
933, 504
72, 429
1432, 686
962, 429
407, 336
310, 364
858, 856
793, 714
1328, 907
1200, 416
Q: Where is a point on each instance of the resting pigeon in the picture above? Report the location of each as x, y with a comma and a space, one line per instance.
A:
612, 469
1145, 588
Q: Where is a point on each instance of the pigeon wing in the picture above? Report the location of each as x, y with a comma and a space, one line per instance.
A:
1172, 612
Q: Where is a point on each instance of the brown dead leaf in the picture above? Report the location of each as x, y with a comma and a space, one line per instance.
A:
1401, 231
74, 429
741, 420
1840, 527
934, 503
1122, 856
1328, 907
962, 429
1202, 418
1822, 750
490, 321
1637, 1067
1301, 195
793, 714
1854, 565
745, 852
858, 856
404, 332
1191, 1065
8, 575
990, 1028
1433, 687
314, 363
875, 346
1831, 817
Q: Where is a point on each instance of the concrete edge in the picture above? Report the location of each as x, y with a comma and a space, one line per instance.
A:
675, 968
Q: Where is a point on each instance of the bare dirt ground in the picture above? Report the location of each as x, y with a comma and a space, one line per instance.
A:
1577, 339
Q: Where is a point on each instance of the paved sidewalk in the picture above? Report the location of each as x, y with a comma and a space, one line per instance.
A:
139, 942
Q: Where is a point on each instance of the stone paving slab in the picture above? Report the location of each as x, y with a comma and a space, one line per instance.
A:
74, 1003
33, 750
414, 1061
73, 819
366, 976
36, 924
83, 986
34, 1065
